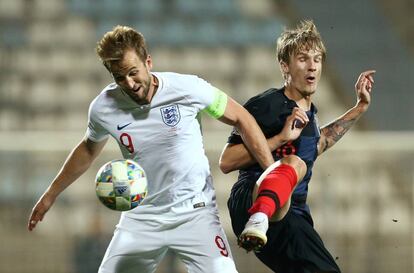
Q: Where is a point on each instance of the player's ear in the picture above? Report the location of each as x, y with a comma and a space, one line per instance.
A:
148, 62
284, 67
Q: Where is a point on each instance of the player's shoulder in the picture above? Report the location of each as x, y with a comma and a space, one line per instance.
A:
271, 98
178, 80
271, 95
105, 97
176, 76
187, 88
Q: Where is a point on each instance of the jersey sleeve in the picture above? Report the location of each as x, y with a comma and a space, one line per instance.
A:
207, 98
235, 137
95, 131
268, 113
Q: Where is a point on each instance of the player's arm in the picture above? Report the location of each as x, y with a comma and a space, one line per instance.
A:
237, 156
252, 135
78, 161
334, 131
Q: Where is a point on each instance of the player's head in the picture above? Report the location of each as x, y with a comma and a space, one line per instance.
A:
300, 53
123, 52
113, 45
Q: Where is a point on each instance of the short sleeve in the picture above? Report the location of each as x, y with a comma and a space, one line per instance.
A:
235, 137
217, 108
205, 96
95, 131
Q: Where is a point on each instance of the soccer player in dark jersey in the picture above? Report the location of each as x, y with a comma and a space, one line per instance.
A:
268, 207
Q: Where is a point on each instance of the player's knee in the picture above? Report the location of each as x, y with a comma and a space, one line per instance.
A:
297, 163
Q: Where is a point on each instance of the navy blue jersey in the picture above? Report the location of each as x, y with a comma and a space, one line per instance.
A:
270, 109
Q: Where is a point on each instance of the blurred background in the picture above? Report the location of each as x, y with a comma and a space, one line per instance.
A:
361, 194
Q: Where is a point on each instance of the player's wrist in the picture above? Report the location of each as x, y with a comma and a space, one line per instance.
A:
51, 193
277, 141
361, 107
50, 196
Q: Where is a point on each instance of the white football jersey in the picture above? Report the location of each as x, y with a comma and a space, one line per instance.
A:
164, 137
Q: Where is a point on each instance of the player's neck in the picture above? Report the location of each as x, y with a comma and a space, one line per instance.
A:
153, 88
303, 101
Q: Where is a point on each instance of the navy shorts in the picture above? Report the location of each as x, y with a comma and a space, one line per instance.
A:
293, 244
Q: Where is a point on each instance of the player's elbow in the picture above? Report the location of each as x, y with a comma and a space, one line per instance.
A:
228, 161
224, 167
225, 164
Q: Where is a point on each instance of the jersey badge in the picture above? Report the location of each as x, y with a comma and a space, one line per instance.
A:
170, 115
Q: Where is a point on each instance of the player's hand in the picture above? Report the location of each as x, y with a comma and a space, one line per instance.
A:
294, 124
39, 210
363, 88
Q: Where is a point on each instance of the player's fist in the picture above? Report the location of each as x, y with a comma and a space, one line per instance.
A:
294, 124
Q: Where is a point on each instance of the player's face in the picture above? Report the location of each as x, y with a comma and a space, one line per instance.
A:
304, 71
134, 76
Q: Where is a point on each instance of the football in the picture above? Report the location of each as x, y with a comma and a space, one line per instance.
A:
121, 184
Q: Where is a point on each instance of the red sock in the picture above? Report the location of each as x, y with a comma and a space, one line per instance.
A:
275, 190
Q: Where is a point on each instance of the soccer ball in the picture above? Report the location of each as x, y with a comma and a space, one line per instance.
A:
121, 184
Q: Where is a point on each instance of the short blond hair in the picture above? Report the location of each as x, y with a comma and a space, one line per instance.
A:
304, 36
112, 46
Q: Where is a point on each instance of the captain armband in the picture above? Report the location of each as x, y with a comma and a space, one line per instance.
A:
217, 108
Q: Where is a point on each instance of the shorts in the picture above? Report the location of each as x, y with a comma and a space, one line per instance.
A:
197, 238
293, 244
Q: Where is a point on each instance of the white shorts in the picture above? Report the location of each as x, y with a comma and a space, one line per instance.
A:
197, 238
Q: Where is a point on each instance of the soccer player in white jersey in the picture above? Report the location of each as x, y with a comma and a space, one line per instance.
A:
153, 118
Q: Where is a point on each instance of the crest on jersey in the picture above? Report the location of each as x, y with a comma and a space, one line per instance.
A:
170, 115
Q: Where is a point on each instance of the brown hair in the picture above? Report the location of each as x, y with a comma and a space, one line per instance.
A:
114, 43
304, 36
